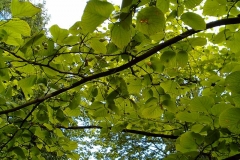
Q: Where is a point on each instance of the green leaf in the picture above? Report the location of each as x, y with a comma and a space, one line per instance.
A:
98, 109
19, 152
168, 58
221, 36
230, 119
71, 40
75, 101
125, 6
72, 112
158, 36
58, 33
23, 9
99, 47
171, 88
201, 104
188, 117
111, 48
151, 109
26, 85
217, 109
16, 26
75, 29
198, 41
120, 36
197, 128
150, 20
188, 142
119, 126
94, 91
182, 58
212, 136
95, 13
193, 20
213, 8
42, 116
123, 87
169, 105
232, 82
190, 4
100, 112
236, 99
163, 5
232, 42
60, 115
147, 80
58, 132
156, 64
112, 106
4, 75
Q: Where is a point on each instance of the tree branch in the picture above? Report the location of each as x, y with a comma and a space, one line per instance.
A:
40, 64
127, 65
235, 157
124, 130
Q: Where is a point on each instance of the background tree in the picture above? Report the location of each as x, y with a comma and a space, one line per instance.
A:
36, 22
157, 76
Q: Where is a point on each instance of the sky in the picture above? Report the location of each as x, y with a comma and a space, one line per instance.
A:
65, 13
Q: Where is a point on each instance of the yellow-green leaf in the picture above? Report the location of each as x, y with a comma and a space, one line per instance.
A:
193, 20
192, 3
121, 36
163, 5
150, 20
98, 46
58, 33
230, 119
151, 109
16, 26
23, 9
95, 13
232, 82
213, 8
182, 58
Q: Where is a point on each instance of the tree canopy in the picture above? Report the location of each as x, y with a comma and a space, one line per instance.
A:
148, 80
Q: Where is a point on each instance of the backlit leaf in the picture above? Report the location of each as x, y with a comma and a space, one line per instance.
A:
198, 41
230, 119
95, 13
98, 46
120, 36
168, 58
163, 5
182, 58
151, 109
192, 3
150, 20
232, 81
58, 33
189, 141
193, 20
213, 8
23, 9
16, 26
201, 104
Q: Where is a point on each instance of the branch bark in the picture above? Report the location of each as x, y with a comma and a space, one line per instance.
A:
127, 65
124, 130
235, 157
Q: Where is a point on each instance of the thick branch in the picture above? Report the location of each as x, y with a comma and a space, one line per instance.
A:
124, 130
127, 65
235, 157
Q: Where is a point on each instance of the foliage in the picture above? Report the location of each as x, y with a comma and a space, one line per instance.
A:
143, 74
36, 21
